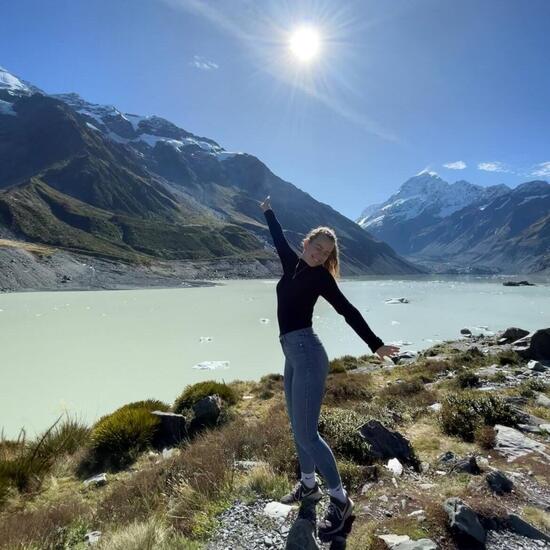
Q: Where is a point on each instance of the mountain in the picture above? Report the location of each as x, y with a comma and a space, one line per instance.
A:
88, 178
465, 227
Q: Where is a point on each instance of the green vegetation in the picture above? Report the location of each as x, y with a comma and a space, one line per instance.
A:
462, 413
195, 392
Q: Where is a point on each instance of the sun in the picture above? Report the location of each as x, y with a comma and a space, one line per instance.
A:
305, 44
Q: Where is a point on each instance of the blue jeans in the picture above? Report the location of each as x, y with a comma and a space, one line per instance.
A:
306, 370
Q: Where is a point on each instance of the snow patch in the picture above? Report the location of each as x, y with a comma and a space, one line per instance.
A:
6, 108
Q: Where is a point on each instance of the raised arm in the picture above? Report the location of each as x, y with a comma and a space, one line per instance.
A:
286, 254
333, 295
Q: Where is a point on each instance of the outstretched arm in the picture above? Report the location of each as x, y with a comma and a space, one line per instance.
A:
351, 314
287, 256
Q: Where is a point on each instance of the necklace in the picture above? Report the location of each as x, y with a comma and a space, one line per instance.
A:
297, 273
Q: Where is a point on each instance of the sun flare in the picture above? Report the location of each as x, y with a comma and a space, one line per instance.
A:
305, 44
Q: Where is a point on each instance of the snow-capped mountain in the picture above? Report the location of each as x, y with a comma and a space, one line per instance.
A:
90, 178
12, 85
464, 227
429, 195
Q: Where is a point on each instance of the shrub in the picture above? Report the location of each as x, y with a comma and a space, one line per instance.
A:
498, 377
195, 392
508, 357
528, 388
427, 370
117, 439
339, 427
343, 364
466, 379
356, 387
353, 475
403, 388
485, 437
462, 413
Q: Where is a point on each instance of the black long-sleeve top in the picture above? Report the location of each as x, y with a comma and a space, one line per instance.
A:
296, 297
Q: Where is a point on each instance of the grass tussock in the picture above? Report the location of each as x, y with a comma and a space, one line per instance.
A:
117, 439
24, 464
195, 392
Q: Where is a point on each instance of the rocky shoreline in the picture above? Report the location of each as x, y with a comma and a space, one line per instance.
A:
22, 270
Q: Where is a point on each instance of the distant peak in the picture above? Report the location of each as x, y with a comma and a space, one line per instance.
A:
427, 172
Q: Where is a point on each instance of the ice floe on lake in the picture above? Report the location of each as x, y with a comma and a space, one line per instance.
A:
212, 365
205, 339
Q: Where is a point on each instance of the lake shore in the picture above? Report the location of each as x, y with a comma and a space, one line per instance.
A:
37, 269
25, 271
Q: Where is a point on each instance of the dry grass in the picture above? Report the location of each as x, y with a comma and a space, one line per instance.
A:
38, 249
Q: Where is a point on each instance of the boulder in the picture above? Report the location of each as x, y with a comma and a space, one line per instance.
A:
206, 412
536, 346
542, 401
385, 443
513, 444
498, 482
463, 519
467, 465
512, 334
521, 527
172, 429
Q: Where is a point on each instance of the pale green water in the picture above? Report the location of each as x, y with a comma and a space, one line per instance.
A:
90, 352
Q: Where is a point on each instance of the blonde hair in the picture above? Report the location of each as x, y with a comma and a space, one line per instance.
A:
332, 263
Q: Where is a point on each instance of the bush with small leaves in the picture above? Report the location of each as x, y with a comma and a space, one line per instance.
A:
461, 413
195, 392
467, 379
340, 428
528, 387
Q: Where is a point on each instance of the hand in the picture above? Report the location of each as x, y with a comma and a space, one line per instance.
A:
386, 351
265, 205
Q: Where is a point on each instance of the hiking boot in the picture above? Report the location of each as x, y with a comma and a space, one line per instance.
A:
300, 492
335, 518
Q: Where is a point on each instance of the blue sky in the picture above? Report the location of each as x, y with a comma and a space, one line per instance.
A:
398, 87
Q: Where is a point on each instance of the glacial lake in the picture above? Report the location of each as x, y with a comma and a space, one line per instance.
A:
88, 353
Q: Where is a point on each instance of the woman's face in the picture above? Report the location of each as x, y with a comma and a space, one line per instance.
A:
317, 250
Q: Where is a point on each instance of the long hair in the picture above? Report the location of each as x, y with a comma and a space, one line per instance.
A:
332, 263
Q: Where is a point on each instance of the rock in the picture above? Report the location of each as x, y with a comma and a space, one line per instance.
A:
167, 453
487, 372
518, 525
447, 456
436, 407
386, 443
97, 480
395, 466
404, 542
466, 331
517, 283
513, 444
536, 366
172, 429
246, 465
92, 537
277, 510
463, 519
498, 482
512, 334
206, 412
536, 346
467, 465
397, 301
542, 401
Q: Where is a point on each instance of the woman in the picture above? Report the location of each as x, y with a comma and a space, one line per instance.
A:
304, 279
